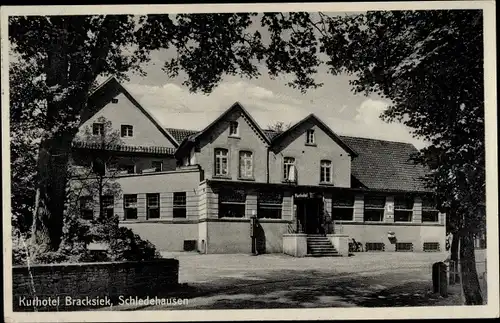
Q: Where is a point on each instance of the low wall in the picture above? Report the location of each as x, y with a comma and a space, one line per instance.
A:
67, 286
165, 236
295, 244
340, 242
378, 232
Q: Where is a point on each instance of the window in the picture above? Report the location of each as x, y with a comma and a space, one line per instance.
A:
221, 162
269, 205
153, 206
343, 207
179, 204
310, 137
246, 164
288, 163
98, 129
157, 165
232, 203
233, 129
325, 171
404, 246
130, 206
87, 207
114, 100
431, 246
374, 246
429, 211
374, 208
403, 209
108, 204
127, 130
126, 168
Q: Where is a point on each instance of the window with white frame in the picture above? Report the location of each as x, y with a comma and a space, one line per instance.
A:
130, 206
269, 204
429, 210
233, 128
310, 137
325, 171
127, 130
232, 203
108, 205
403, 208
98, 129
180, 210
288, 163
374, 208
157, 165
343, 207
153, 206
246, 164
221, 162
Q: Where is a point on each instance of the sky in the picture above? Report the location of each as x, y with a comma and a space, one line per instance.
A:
267, 100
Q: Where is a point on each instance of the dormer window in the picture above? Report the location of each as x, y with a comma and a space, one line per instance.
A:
233, 129
127, 130
98, 129
310, 137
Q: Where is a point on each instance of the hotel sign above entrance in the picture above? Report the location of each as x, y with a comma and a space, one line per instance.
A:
307, 195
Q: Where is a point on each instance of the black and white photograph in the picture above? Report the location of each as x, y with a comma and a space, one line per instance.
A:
251, 161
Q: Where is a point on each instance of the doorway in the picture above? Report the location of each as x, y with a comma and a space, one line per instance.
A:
309, 215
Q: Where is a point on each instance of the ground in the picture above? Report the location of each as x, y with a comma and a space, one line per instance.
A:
280, 281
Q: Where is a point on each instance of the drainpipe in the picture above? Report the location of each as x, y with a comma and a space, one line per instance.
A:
267, 165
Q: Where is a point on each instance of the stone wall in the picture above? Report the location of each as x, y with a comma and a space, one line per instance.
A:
51, 286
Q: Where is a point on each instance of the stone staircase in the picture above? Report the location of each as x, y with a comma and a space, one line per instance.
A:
319, 246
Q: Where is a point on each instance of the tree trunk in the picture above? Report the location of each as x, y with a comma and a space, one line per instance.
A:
470, 281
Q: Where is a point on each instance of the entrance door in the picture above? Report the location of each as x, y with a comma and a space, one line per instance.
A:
308, 215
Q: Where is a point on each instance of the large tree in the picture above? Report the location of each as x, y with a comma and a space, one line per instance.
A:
429, 64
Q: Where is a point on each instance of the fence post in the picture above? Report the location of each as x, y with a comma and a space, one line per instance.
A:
440, 279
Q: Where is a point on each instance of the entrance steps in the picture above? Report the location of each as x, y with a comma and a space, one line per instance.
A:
320, 246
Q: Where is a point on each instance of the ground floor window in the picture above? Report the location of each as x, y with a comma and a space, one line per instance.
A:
87, 207
374, 246
180, 210
343, 207
374, 208
153, 205
108, 205
403, 209
431, 246
232, 203
404, 246
429, 211
269, 205
130, 206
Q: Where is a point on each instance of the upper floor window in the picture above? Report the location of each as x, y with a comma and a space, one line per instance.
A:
403, 209
374, 208
310, 137
233, 128
326, 171
246, 164
126, 168
221, 162
153, 205
127, 130
180, 205
157, 165
429, 210
98, 129
288, 164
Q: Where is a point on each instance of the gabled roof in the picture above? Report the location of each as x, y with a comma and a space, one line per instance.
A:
323, 126
112, 85
190, 139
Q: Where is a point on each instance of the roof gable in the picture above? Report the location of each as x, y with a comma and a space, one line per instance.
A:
312, 118
105, 92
